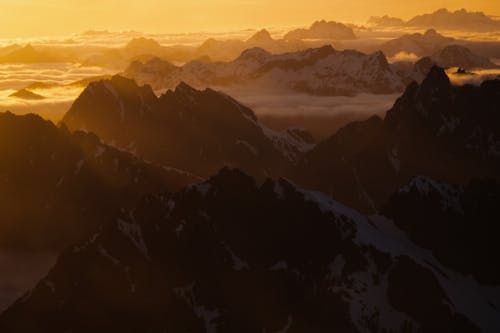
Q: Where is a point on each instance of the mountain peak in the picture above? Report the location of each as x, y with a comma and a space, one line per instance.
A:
184, 88
431, 33
260, 36
436, 79
143, 43
254, 53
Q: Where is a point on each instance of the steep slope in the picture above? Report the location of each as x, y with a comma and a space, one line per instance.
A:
434, 129
198, 131
229, 256
458, 223
318, 71
56, 188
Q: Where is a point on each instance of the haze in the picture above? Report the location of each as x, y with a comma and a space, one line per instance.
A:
25, 18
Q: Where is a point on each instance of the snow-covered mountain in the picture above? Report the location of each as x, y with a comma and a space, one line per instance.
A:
196, 130
320, 71
228, 255
434, 128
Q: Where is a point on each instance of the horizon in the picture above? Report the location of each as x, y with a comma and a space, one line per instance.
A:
149, 16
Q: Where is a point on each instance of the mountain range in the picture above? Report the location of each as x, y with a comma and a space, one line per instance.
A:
444, 19
401, 236
434, 129
431, 127
230, 255
195, 130
317, 71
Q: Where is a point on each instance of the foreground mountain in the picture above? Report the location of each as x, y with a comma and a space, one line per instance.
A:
322, 30
320, 71
458, 223
58, 187
198, 131
434, 129
229, 256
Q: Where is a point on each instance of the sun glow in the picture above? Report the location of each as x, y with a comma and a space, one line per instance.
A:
59, 17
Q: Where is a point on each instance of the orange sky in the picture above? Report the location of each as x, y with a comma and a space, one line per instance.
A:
23, 18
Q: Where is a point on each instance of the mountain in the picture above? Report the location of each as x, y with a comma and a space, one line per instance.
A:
460, 56
57, 187
458, 20
193, 130
27, 54
442, 19
434, 129
449, 57
5, 50
228, 255
26, 94
419, 44
322, 30
385, 21
458, 223
228, 50
138, 46
319, 71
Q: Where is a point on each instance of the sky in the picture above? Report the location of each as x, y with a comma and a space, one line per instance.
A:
29, 18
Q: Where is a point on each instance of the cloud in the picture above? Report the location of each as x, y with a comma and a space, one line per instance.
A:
295, 104
403, 56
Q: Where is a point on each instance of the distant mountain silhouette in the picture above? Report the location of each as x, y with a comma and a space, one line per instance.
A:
457, 20
27, 54
228, 255
58, 187
26, 94
421, 45
198, 131
444, 19
385, 21
434, 129
322, 30
320, 71
460, 56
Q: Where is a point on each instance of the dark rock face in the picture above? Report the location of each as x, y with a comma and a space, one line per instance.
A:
198, 131
56, 187
459, 224
434, 129
230, 256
